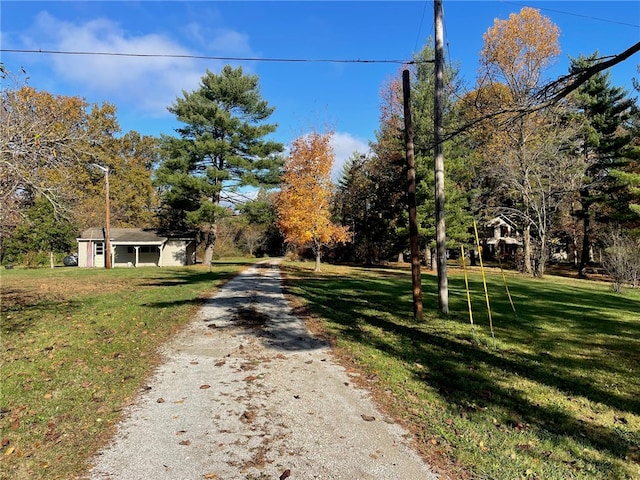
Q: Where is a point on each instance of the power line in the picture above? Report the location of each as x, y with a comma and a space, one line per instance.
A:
573, 14
424, 9
205, 57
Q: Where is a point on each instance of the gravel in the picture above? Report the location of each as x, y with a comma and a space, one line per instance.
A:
245, 392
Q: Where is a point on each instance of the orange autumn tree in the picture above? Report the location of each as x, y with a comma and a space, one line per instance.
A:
523, 149
303, 203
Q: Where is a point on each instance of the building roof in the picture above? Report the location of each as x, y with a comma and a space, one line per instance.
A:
146, 236
501, 221
505, 240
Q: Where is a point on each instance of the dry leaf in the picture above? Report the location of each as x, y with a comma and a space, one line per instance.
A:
368, 418
285, 474
204, 387
185, 442
248, 417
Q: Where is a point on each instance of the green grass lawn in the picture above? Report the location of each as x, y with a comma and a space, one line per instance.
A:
77, 345
556, 394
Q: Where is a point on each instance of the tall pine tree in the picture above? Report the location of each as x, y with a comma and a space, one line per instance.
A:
221, 148
604, 138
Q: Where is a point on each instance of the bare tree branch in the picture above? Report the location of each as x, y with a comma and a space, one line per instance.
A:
569, 83
550, 94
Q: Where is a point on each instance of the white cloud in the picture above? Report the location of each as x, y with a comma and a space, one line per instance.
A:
146, 84
230, 42
344, 145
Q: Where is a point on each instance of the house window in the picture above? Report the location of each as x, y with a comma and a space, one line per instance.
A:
99, 248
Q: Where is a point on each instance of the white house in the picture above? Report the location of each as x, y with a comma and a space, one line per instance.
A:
502, 238
136, 247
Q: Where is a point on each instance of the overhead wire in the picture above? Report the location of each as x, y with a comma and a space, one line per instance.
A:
572, 14
452, 90
424, 10
301, 60
208, 57
562, 12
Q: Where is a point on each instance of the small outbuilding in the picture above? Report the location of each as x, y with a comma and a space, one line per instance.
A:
136, 247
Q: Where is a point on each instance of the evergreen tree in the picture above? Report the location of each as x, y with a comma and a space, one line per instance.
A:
370, 200
220, 148
605, 137
372, 193
261, 214
457, 172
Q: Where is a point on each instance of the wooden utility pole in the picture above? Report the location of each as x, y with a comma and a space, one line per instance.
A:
441, 236
411, 197
107, 227
107, 236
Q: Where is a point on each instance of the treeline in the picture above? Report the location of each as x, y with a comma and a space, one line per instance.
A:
50, 186
564, 173
56, 150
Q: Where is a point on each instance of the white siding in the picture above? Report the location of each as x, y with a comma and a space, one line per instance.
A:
174, 254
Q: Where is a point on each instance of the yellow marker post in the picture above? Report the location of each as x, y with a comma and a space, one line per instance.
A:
466, 284
484, 281
506, 286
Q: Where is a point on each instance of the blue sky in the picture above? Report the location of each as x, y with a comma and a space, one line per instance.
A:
307, 95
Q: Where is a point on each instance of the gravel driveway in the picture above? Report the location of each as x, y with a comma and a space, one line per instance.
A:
246, 392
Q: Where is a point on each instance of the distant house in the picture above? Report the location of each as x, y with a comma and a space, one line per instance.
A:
136, 247
502, 239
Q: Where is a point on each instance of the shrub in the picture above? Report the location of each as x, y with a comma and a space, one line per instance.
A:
622, 260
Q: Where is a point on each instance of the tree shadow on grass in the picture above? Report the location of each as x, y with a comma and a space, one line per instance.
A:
349, 303
187, 277
21, 309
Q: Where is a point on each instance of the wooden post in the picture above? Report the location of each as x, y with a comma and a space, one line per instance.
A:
441, 236
411, 197
107, 240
